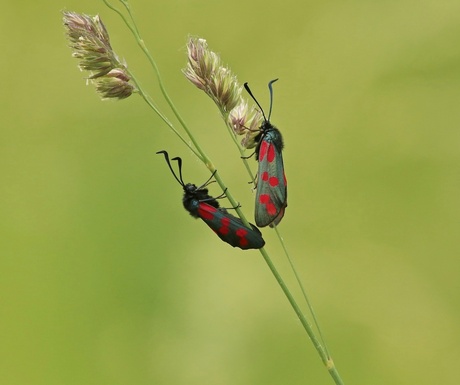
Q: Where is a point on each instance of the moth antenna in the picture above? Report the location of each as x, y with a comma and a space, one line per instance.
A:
246, 87
270, 87
179, 165
166, 155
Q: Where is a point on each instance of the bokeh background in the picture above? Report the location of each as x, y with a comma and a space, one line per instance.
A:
105, 279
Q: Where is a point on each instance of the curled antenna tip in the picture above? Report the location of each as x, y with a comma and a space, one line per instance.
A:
168, 162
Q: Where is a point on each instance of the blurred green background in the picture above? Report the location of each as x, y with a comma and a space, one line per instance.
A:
105, 279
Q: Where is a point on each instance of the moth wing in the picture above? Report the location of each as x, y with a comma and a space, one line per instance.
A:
230, 228
271, 193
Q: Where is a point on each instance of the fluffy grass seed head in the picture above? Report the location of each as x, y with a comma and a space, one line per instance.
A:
238, 118
90, 43
206, 71
254, 122
245, 122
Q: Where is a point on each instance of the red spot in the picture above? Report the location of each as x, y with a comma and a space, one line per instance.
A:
264, 198
264, 176
271, 209
225, 223
279, 216
269, 206
224, 230
241, 233
273, 181
243, 242
206, 212
263, 150
271, 154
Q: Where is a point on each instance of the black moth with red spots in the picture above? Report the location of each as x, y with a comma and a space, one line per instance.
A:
271, 194
201, 205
